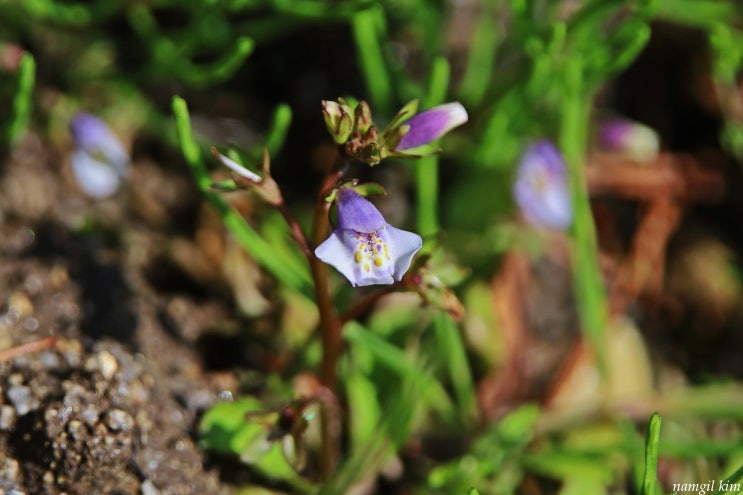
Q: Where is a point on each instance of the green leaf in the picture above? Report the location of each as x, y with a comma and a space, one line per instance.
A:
278, 129
227, 185
22, 102
652, 440
451, 348
256, 246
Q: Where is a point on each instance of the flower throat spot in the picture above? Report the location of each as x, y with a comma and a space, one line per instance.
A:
371, 249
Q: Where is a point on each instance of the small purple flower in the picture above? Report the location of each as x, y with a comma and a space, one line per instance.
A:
364, 247
541, 188
430, 125
631, 138
99, 161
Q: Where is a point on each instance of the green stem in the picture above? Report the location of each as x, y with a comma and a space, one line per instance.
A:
587, 280
651, 455
22, 102
427, 190
427, 169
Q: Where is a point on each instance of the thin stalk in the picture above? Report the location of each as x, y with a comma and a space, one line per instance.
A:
652, 440
587, 280
427, 190
330, 324
427, 169
296, 231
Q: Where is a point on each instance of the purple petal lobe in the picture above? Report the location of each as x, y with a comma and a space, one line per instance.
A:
635, 140
541, 188
432, 124
93, 136
357, 213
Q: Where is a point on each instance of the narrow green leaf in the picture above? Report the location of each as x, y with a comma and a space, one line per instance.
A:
277, 130
393, 358
732, 484
451, 347
218, 71
651, 455
480, 61
588, 282
22, 102
369, 49
256, 246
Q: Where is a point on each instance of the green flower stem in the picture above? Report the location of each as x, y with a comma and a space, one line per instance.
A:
235, 223
652, 441
427, 168
427, 190
587, 280
22, 102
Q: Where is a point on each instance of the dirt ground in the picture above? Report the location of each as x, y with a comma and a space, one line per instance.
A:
112, 406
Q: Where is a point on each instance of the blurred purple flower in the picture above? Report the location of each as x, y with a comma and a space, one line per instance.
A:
541, 188
99, 161
430, 125
630, 138
364, 247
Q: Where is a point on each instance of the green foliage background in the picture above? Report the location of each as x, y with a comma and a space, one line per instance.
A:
525, 70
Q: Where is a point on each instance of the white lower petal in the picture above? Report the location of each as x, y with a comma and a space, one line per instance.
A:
402, 245
96, 178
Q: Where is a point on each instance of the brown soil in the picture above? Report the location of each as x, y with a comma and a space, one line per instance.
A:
112, 407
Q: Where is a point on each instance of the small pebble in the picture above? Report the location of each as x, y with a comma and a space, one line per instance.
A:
149, 488
118, 420
9, 469
7, 418
104, 362
22, 399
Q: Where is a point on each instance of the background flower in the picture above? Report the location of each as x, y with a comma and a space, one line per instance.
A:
541, 189
99, 161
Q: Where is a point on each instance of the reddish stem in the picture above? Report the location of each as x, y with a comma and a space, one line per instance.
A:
20, 350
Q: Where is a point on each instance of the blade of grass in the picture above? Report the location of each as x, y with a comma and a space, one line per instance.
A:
587, 279
652, 441
480, 61
220, 70
453, 351
369, 47
22, 102
280, 122
394, 359
735, 480
255, 245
